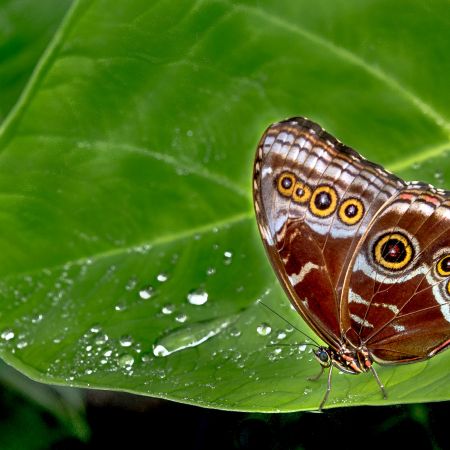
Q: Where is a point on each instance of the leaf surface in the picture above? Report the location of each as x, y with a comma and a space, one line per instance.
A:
127, 226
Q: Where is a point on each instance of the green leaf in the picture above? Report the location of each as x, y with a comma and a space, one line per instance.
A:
125, 174
25, 30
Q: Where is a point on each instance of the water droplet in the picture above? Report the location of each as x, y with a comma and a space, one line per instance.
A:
126, 341
95, 329
7, 334
235, 332
228, 257
302, 347
264, 329
101, 339
168, 309
108, 353
189, 133
120, 306
281, 335
197, 297
181, 318
146, 293
88, 348
191, 336
131, 284
22, 344
160, 350
37, 318
210, 271
126, 361
162, 277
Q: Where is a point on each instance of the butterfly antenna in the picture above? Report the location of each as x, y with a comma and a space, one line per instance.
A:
289, 323
296, 344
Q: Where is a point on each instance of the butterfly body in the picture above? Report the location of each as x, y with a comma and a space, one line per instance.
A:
363, 256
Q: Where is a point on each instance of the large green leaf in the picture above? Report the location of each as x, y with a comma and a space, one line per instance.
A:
127, 224
26, 27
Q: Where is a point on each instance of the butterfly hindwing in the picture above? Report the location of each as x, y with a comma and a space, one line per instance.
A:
398, 286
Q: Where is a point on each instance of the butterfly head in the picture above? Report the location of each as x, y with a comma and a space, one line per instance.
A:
347, 361
324, 356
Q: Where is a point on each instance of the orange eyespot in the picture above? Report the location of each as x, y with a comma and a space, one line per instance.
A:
351, 211
301, 192
286, 183
443, 266
393, 251
323, 201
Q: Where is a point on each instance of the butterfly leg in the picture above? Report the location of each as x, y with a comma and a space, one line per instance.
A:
380, 384
327, 392
316, 377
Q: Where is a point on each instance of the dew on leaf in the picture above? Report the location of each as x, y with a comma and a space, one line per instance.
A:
126, 341
197, 297
120, 306
126, 361
181, 318
37, 318
22, 344
162, 277
131, 284
227, 257
281, 335
146, 293
95, 329
168, 309
235, 332
191, 336
7, 334
101, 339
264, 329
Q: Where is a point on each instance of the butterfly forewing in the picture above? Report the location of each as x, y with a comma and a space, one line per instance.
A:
315, 198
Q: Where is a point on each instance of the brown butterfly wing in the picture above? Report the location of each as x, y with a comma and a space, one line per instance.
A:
398, 295
314, 199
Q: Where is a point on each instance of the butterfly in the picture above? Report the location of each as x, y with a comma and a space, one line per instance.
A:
363, 256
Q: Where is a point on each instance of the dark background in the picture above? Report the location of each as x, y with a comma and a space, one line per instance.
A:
119, 420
